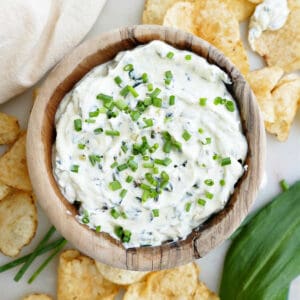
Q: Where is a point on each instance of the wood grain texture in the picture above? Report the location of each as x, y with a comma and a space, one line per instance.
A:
41, 134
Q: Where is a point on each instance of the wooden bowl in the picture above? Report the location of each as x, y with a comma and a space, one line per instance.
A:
41, 135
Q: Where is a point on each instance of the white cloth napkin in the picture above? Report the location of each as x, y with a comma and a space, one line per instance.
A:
36, 34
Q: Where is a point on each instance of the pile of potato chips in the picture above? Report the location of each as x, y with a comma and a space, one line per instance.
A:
80, 277
18, 213
217, 21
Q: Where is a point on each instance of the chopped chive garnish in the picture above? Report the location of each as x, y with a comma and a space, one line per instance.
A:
209, 195
118, 80
81, 146
209, 182
119, 231
188, 206
133, 92
284, 185
122, 167
145, 196
154, 148
186, 135
170, 55
124, 147
222, 182
123, 193
85, 220
124, 92
155, 212
93, 114
90, 121
112, 132
98, 130
74, 168
216, 156
202, 101
157, 102
148, 165
155, 93
188, 57
135, 115
164, 162
98, 228
230, 106
128, 67
78, 124
150, 87
201, 202
200, 130
132, 165
167, 147
114, 213
168, 74
102, 110
155, 170
146, 157
123, 215
217, 100
113, 165
145, 187
111, 114
172, 100
225, 161
145, 77
120, 104
207, 141
115, 185
129, 179
148, 122
94, 159
104, 97
126, 236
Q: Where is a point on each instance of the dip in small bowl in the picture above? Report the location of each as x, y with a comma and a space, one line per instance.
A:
151, 153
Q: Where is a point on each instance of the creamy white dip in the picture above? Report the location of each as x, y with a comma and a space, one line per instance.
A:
187, 156
269, 15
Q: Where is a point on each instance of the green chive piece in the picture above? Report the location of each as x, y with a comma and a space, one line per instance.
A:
132, 91
124, 92
126, 236
209, 195
120, 104
284, 185
188, 57
132, 165
118, 80
201, 202
94, 159
123, 215
124, 147
123, 193
188, 206
217, 100
104, 97
113, 165
168, 74
154, 148
155, 93
115, 185
207, 141
170, 55
90, 121
230, 106
186, 135
145, 196
119, 231
75, 168
129, 179
172, 100
146, 157
148, 165
102, 110
128, 67
148, 122
155, 170
209, 182
202, 101
164, 162
112, 132
225, 161
167, 147
114, 213
98, 228
81, 146
98, 130
122, 167
216, 156
222, 182
200, 130
85, 220
93, 114
155, 212
135, 115
150, 87
157, 102
78, 124
145, 77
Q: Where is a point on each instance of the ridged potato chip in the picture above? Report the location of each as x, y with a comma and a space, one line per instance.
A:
217, 24
242, 9
137, 291
4, 190
13, 166
18, 222
282, 47
78, 278
119, 276
179, 16
9, 129
37, 297
204, 293
262, 82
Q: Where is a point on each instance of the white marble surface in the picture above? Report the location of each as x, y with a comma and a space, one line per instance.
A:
283, 161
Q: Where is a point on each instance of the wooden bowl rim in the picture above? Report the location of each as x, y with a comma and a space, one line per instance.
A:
62, 214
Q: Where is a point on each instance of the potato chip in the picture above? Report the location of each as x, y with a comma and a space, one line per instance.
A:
262, 82
37, 297
203, 293
256, 1
18, 222
285, 99
179, 16
4, 190
242, 9
13, 166
119, 276
78, 278
221, 31
9, 129
155, 10
137, 291
282, 47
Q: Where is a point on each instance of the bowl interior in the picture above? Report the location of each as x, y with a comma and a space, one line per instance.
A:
41, 135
